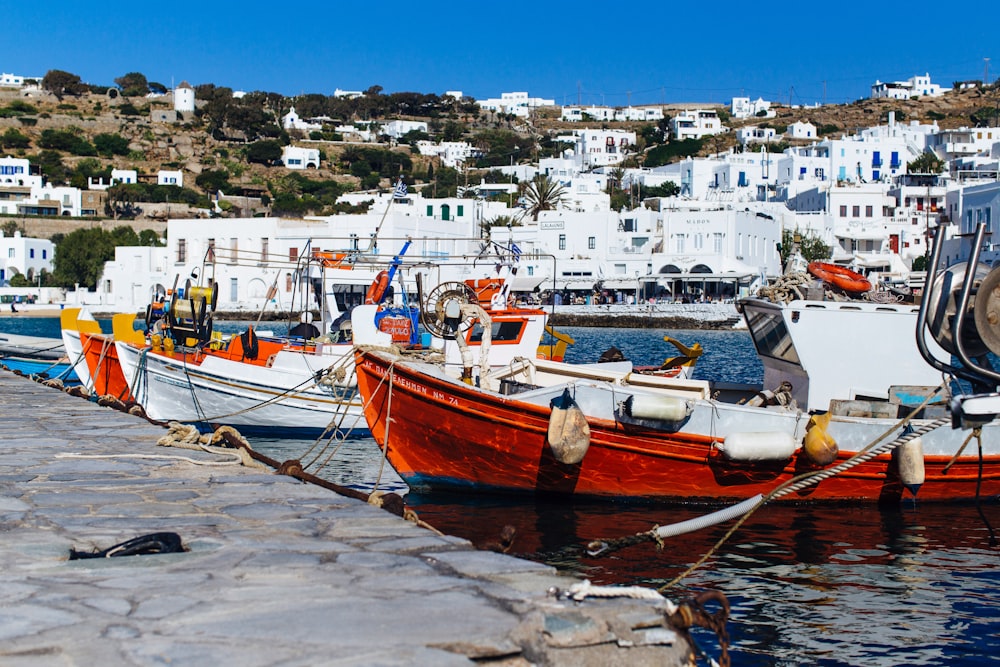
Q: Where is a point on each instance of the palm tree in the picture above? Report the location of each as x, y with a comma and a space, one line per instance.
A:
543, 194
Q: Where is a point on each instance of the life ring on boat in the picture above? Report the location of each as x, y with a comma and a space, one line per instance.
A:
377, 289
840, 276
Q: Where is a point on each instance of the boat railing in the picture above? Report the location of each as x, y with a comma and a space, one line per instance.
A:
951, 299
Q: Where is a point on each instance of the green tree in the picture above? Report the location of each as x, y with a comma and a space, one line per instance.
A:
66, 140
811, 246
148, 237
667, 189
111, 144
213, 180
926, 163
668, 152
133, 84
14, 139
80, 257
86, 169
264, 152
61, 83
19, 280
51, 164
542, 194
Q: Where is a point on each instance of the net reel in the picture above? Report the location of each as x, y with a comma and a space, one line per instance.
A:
441, 312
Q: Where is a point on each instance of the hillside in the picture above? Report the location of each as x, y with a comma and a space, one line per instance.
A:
196, 145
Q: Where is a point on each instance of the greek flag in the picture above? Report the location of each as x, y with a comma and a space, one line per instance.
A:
400, 191
515, 251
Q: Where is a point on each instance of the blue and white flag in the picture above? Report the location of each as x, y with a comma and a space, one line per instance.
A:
400, 191
515, 251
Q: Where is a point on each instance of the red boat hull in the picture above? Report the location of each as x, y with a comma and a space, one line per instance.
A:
105, 370
444, 434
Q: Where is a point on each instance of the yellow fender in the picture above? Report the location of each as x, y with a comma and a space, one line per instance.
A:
819, 447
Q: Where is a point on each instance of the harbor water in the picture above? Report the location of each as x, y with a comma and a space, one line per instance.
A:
917, 584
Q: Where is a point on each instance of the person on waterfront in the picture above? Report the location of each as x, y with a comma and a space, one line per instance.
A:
12, 308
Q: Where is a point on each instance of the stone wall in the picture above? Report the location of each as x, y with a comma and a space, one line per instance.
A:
44, 228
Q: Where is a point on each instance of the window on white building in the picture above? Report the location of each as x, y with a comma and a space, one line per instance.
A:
10, 252
234, 250
234, 291
679, 243
591, 242
562, 241
698, 241
717, 243
181, 251
264, 246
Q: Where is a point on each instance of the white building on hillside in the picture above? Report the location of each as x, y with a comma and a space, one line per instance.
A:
170, 177
602, 114
292, 121
801, 130
23, 255
184, 98
397, 128
915, 86
451, 153
696, 123
598, 147
11, 80
518, 104
298, 157
124, 176
742, 108
753, 134
964, 142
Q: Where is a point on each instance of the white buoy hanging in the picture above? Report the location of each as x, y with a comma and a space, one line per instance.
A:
569, 433
910, 463
759, 446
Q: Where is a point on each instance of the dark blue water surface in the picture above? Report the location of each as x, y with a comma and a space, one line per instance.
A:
808, 585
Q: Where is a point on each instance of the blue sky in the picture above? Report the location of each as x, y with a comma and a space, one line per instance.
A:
591, 52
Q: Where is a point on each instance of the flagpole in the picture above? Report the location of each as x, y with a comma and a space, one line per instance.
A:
398, 191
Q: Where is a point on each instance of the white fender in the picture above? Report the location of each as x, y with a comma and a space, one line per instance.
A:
759, 446
663, 408
910, 459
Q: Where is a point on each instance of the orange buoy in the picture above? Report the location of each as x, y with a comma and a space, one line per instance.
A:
378, 287
840, 276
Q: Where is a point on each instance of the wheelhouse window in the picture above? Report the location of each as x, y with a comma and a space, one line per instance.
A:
770, 335
502, 332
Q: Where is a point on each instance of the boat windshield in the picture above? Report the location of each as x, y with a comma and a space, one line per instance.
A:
770, 335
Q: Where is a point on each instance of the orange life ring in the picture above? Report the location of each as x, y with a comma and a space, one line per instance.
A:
378, 287
840, 276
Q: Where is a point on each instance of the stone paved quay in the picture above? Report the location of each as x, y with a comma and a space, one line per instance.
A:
277, 572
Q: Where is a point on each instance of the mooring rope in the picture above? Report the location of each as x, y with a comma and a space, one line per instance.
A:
747, 507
